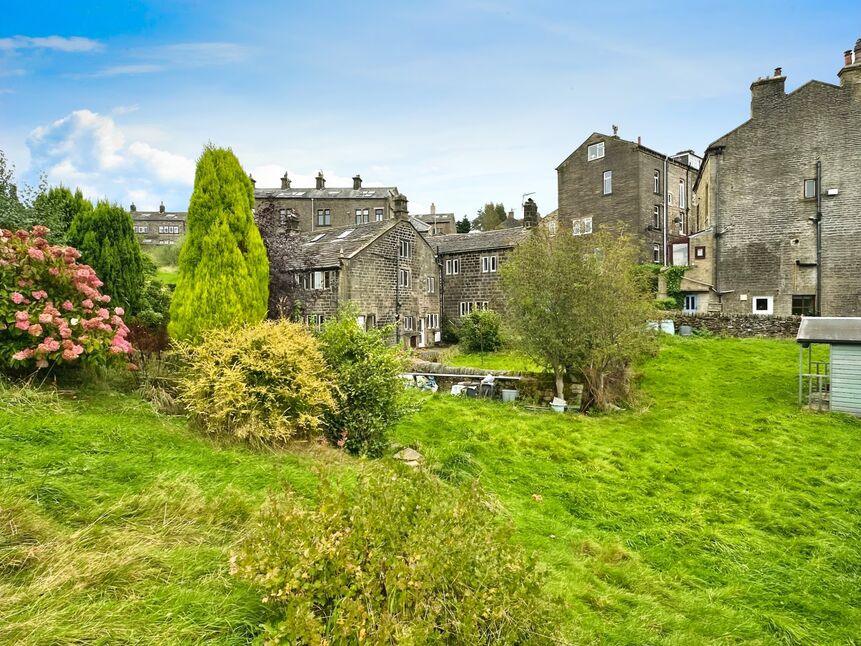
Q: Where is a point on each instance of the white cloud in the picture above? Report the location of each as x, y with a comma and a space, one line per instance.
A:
119, 70
89, 150
171, 57
56, 43
125, 109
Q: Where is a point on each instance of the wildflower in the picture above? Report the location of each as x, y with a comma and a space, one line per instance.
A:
73, 322
17, 298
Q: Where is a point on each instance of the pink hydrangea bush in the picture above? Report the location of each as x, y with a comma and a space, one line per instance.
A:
51, 309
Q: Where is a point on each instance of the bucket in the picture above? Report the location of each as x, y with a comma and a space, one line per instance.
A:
685, 330
509, 394
558, 405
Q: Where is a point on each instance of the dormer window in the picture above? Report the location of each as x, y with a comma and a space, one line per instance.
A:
595, 151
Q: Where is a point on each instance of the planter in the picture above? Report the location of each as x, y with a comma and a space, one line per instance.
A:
509, 395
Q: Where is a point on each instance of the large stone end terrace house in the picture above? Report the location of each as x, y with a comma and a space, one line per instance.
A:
160, 227
385, 269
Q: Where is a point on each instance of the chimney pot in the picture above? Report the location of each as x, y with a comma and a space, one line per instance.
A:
161, 208
433, 208
253, 181
133, 208
285, 181
321, 181
858, 50
357, 182
778, 71
639, 142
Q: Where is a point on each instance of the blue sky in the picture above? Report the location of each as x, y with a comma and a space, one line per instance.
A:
455, 102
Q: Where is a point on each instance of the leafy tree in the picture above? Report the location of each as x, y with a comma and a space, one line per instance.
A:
13, 214
490, 217
579, 305
223, 270
105, 237
369, 394
56, 207
464, 226
479, 331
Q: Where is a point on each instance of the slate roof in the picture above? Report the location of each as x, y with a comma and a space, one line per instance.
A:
837, 330
431, 218
479, 240
323, 248
370, 193
158, 215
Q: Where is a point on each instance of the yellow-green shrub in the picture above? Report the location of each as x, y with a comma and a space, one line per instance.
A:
266, 382
396, 558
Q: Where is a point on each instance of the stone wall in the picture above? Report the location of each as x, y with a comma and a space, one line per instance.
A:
342, 212
740, 325
471, 284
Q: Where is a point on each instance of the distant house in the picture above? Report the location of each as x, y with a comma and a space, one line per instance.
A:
470, 264
386, 269
779, 203
439, 224
608, 181
160, 227
322, 208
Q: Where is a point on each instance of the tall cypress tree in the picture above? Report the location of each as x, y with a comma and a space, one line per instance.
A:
106, 239
223, 269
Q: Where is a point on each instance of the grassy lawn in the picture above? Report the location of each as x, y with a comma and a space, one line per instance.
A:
715, 512
506, 360
167, 275
718, 512
116, 524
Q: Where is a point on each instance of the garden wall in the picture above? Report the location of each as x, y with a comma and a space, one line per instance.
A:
740, 325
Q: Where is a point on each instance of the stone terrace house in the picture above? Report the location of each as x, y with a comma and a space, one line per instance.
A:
779, 203
327, 208
386, 269
470, 265
160, 227
439, 224
608, 181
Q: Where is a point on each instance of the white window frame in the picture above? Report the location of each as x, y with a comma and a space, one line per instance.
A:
577, 228
812, 183
140, 228
551, 227
466, 307
404, 278
408, 323
452, 267
656, 213
282, 215
690, 305
657, 182
587, 226
607, 182
378, 215
324, 217
430, 285
656, 254
433, 321
670, 198
683, 194
489, 264
769, 311
595, 151
405, 250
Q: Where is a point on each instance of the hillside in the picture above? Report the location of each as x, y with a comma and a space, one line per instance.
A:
715, 511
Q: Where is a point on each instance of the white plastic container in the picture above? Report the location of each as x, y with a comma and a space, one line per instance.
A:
509, 394
558, 405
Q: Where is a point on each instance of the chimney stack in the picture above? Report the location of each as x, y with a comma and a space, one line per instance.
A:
530, 214
133, 208
400, 207
285, 181
357, 182
851, 72
253, 181
161, 208
767, 92
433, 208
511, 214
639, 140
321, 181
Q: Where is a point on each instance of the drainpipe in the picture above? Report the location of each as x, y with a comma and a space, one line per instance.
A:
666, 204
818, 238
717, 152
313, 215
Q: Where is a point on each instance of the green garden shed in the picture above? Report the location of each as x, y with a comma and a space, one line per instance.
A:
832, 381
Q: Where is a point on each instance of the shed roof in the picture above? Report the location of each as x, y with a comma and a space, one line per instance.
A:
835, 330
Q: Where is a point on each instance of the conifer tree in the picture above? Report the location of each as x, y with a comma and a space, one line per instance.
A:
105, 237
223, 269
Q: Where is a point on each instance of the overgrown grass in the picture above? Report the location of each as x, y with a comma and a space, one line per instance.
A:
167, 275
116, 525
717, 513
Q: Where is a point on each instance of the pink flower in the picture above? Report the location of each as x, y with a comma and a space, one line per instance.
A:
133, 367
103, 313
45, 318
67, 305
17, 298
21, 315
39, 294
87, 303
48, 345
54, 271
68, 355
35, 330
65, 331
23, 325
106, 299
35, 254
119, 311
40, 230
23, 355
41, 363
